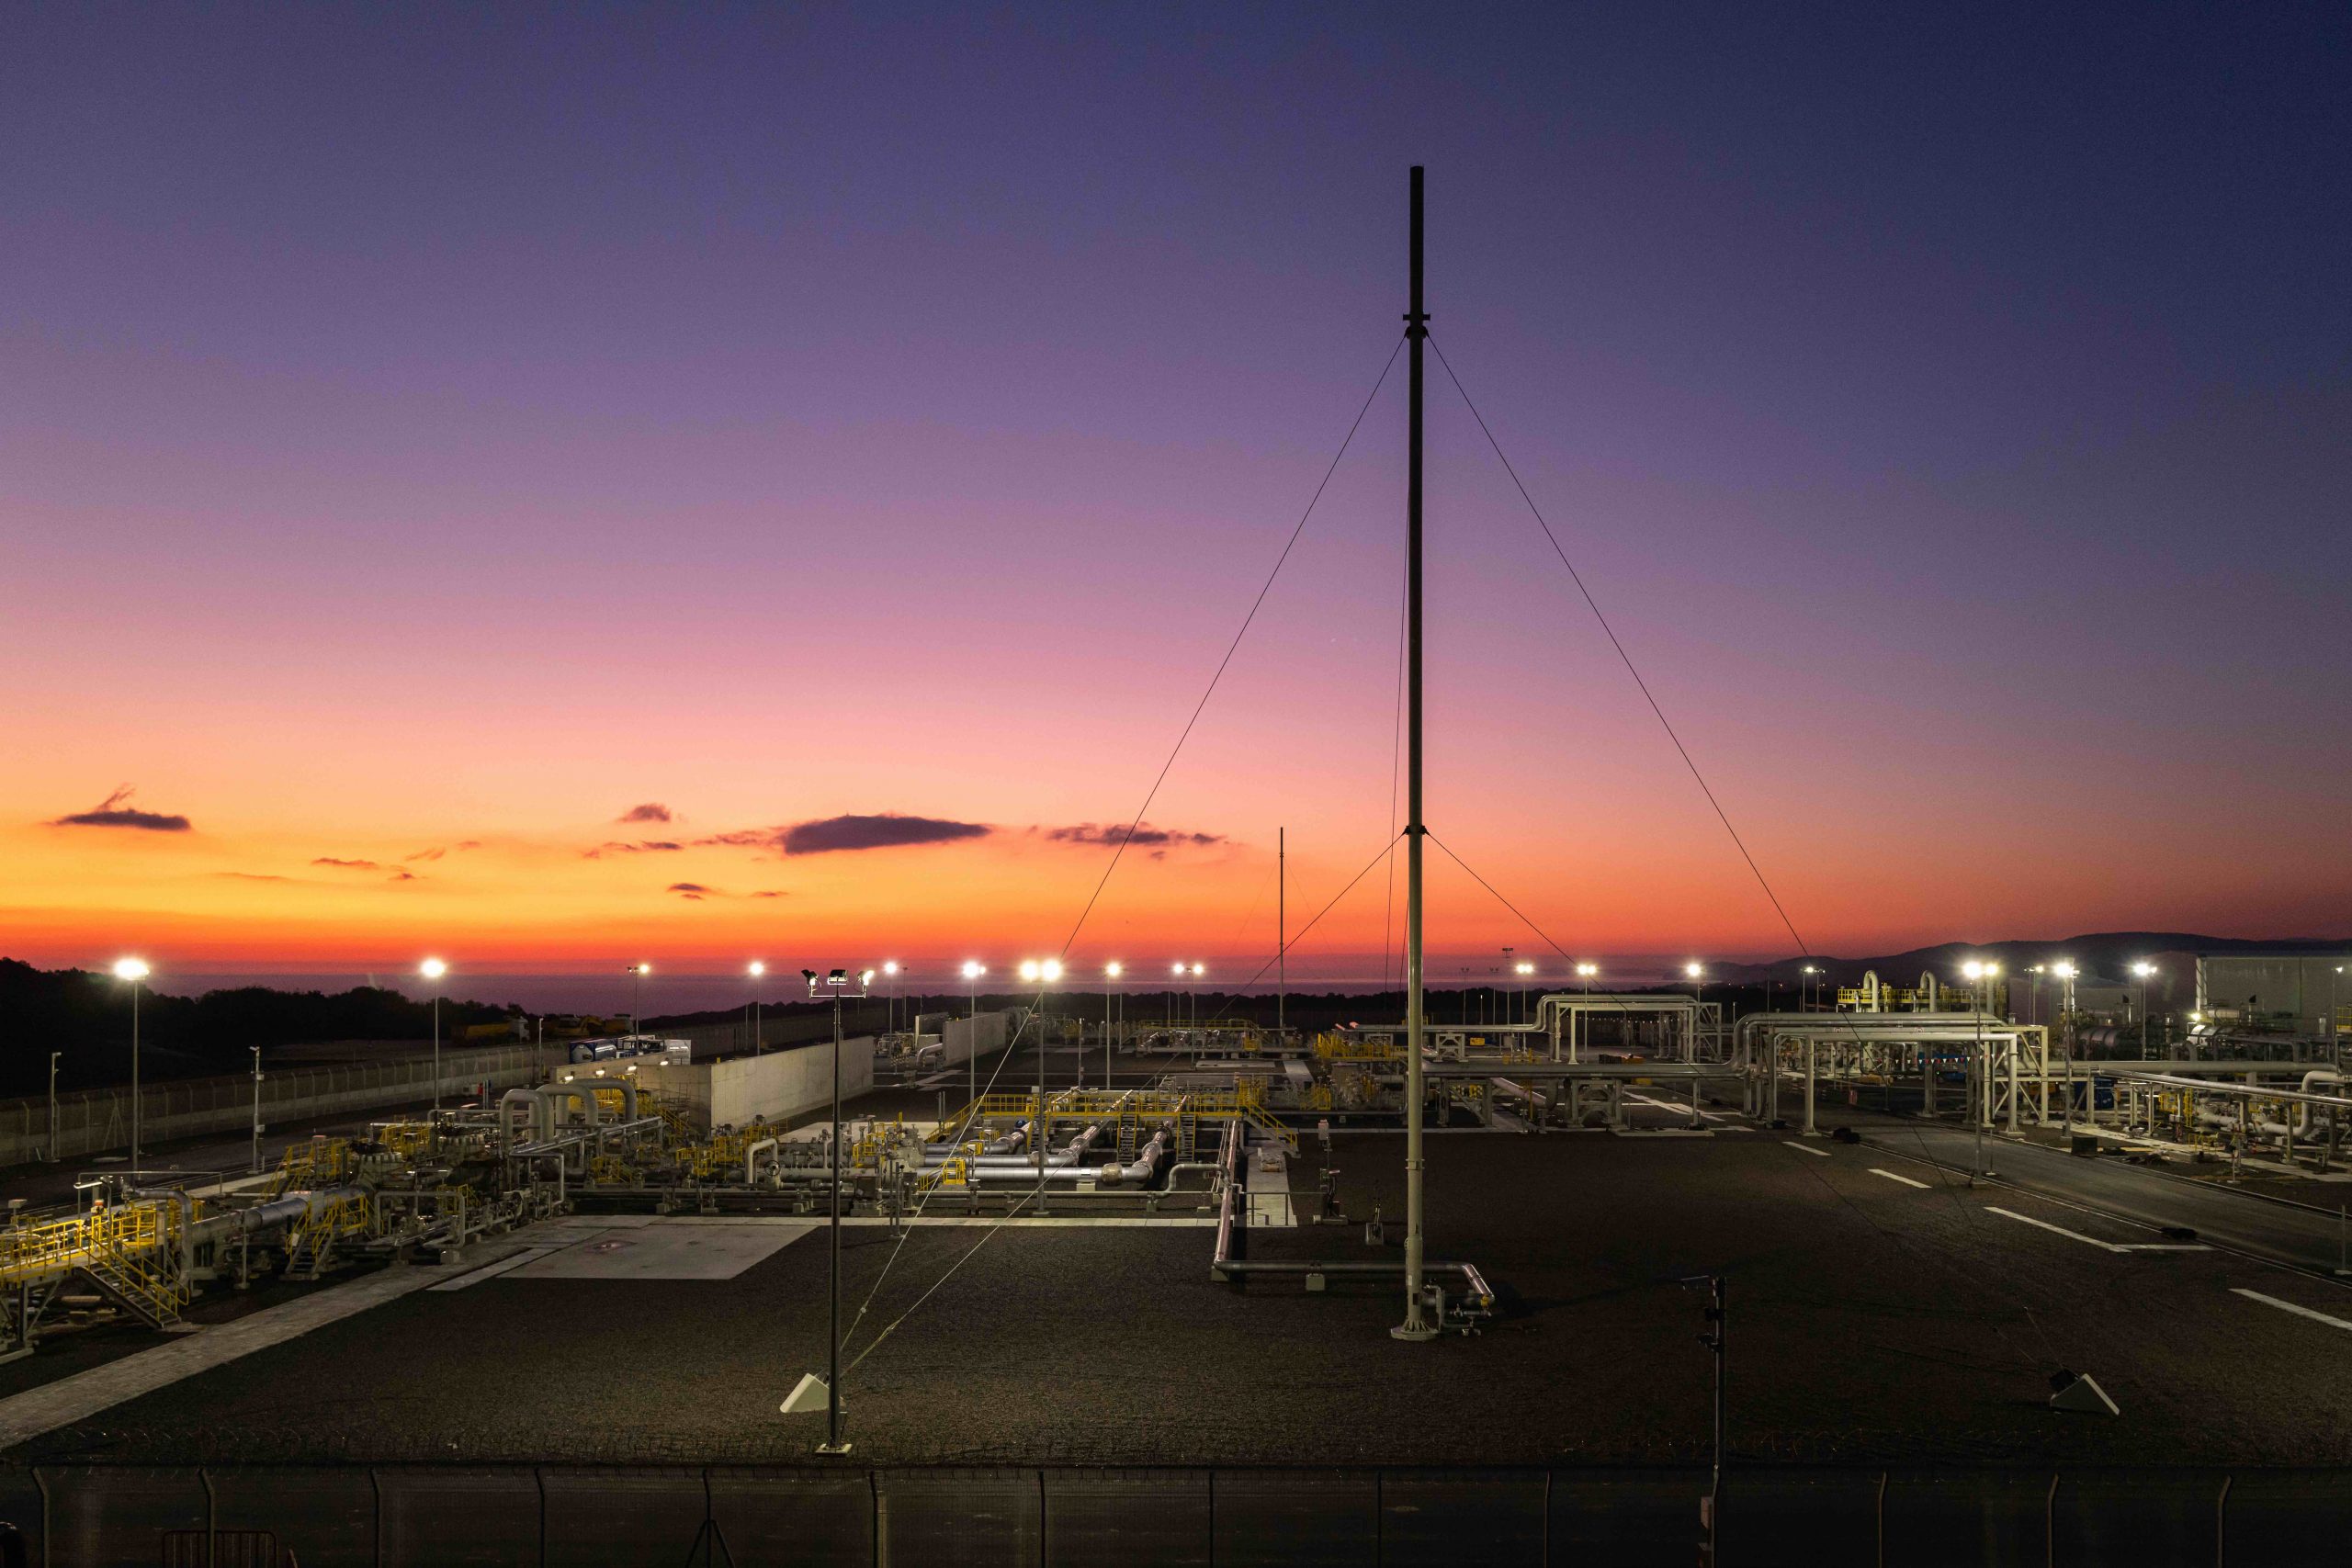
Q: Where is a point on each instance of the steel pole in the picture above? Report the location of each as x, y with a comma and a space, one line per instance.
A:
256, 1050
437, 1050
52, 1105
134, 1077
1282, 928
833, 1444
1415, 1327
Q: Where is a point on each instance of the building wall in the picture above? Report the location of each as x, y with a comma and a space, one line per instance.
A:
2302, 986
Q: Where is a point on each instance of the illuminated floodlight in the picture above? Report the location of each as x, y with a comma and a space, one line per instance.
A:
1972, 970
866, 977
131, 969
640, 968
1587, 971
1694, 969
1115, 969
1176, 969
433, 969
1028, 970
1199, 970
974, 969
755, 968
1526, 968
836, 976
891, 967
2143, 969
2064, 969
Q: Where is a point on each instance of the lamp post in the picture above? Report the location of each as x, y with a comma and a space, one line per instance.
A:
1524, 970
755, 969
636, 974
973, 970
890, 1003
2146, 972
256, 1050
1194, 991
1111, 973
54, 1056
1696, 973
836, 985
1979, 979
133, 970
433, 969
1804, 991
2063, 971
1040, 972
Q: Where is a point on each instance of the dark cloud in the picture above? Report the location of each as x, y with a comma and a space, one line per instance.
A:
889, 831
400, 874
427, 855
651, 811
1144, 834
252, 876
694, 890
767, 895
642, 847
348, 864
112, 812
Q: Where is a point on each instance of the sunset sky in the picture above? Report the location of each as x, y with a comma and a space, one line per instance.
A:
446, 455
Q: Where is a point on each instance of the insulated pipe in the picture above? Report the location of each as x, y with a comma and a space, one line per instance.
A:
751, 1157
277, 1212
1147, 1160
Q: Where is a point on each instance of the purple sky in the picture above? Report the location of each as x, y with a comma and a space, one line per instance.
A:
444, 423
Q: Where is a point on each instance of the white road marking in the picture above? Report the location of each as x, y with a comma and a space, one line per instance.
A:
1892, 1176
2094, 1241
2289, 1307
1668, 1105
1803, 1149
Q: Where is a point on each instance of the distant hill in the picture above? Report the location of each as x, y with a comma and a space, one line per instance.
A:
2106, 956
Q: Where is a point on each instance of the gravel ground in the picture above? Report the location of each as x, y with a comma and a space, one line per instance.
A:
1872, 1321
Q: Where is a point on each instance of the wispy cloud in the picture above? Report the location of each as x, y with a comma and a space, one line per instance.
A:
254, 877
651, 811
400, 873
694, 890
742, 837
425, 855
112, 812
1144, 835
832, 835
642, 847
348, 864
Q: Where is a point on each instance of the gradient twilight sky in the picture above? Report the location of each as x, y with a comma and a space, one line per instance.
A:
427, 434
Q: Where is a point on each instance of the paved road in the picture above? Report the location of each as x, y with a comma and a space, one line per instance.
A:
2279, 1232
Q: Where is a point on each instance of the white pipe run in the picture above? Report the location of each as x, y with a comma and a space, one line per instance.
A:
1066, 1155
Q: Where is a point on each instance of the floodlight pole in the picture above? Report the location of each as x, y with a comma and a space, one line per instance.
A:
1281, 926
837, 984
1415, 1327
134, 1078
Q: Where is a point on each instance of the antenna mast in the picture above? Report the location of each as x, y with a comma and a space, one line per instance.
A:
1417, 1325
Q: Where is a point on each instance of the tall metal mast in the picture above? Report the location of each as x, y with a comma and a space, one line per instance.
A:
1416, 1325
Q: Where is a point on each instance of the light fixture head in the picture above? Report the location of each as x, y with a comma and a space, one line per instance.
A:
891, 967
1177, 969
640, 969
1028, 970
1115, 969
1199, 970
755, 968
433, 969
131, 969
1051, 969
974, 969
810, 976
1527, 968
1972, 970
837, 976
2143, 969
2064, 969
1694, 969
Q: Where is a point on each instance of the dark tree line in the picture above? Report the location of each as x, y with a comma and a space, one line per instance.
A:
86, 1016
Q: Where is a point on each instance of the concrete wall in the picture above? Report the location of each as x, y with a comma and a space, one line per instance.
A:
95, 1120
958, 1035
780, 1085
776, 1032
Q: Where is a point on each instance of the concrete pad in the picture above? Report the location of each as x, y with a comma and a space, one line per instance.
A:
663, 1252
